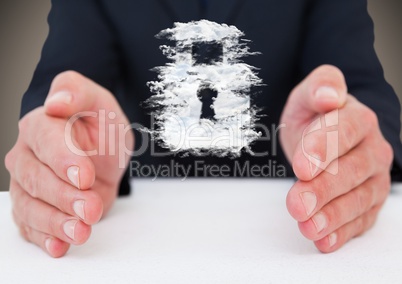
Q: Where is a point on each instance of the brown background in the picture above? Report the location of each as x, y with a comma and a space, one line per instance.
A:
23, 29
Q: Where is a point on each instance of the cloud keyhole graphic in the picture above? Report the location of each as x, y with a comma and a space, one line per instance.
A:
202, 96
207, 53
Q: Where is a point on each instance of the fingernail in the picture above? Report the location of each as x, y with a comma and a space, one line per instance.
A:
309, 200
69, 228
73, 174
327, 93
47, 244
332, 239
60, 97
320, 221
79, 208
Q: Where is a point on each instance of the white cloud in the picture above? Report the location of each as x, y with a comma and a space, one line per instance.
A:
179, 126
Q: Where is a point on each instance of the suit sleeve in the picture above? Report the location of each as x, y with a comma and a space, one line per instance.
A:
341, 33
79, 39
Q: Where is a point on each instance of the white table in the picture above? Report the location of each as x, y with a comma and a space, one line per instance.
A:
206, 231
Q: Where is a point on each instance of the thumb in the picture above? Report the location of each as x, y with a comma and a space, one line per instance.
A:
322, 91
71, 93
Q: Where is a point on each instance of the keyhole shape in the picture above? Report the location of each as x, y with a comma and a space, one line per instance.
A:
207, 95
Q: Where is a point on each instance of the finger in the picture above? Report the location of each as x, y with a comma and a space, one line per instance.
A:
53, 246
321, 91
331, 136
347, 207
79, 99
355, 228
71, 93
45, 136
307, 197
39, 181
47, 219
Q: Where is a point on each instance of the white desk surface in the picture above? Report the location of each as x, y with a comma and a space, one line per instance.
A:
206, 231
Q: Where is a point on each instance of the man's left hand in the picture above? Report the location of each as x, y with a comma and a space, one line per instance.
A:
340, 157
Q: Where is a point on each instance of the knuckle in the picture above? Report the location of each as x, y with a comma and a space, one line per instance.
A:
22, 125
366, 223
9, 160
359, 226
387, 152
52, 223
30, 181
332, 212
359, 201
356, 170
364, 200
372, 217
24, 232
384, 187
39, 142
383, 154
25, 209
62, 200
387, 184
312, 144
28, 232
316, 185
348, 134
370, 117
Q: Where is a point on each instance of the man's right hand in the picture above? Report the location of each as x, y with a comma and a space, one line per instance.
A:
57, 193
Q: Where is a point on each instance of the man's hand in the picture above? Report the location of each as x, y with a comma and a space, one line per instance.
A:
57, 191
340, 157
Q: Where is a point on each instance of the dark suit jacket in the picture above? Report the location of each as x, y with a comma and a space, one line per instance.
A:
113, 43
